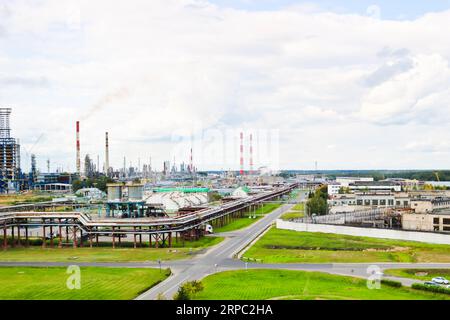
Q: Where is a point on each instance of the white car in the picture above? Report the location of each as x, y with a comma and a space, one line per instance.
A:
440, 280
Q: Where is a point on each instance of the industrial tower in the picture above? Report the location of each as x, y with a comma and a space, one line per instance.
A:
9, 153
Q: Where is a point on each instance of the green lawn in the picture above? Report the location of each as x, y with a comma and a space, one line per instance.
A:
241, 223
419, 274
292, 215
285, 246
299, 207
27, 283
301, 285
108, 254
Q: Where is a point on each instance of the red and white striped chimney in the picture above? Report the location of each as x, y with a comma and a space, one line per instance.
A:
78, 149
251, 153
242, 154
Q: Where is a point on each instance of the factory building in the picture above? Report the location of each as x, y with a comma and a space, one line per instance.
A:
362, 184
9, 155
437, 222
430, 205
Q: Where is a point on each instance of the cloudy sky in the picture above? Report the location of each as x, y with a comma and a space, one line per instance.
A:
349, 84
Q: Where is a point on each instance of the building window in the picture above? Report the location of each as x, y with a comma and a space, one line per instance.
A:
383, 202
374, 202
446, 221
359, 202
436, 220
397, 203
391, 202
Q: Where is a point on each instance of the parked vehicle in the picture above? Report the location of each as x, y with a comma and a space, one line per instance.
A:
440, 280
209, 228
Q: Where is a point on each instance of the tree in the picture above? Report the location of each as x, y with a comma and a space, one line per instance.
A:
317, 205
182, 294
188, 289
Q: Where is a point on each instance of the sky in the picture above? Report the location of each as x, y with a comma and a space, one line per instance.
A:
344, 84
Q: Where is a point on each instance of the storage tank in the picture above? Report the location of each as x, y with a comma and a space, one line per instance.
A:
115, 192
136, 192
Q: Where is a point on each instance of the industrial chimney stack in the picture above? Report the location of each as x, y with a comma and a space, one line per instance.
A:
107, 155
242, 154
78, 149
251, 154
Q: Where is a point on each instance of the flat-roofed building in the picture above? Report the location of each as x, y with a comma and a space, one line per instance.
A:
430, 205
426, 222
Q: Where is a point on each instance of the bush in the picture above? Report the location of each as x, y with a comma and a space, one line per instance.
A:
391, 283
419, 286
182, 294
188, 289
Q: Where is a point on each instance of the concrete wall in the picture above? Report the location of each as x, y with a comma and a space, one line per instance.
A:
366, 232
420, 222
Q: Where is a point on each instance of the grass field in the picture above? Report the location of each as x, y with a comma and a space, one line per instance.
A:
299, 207
292, 215
29, 197
27, 283
299, 285
241, 223
419, 274
107, 254
285, 246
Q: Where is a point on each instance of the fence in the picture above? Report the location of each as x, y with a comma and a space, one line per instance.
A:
348, 217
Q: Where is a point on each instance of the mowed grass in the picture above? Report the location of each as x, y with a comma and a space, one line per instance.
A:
299, 285
419, 274
248, 219
285, 246
108, 254
28, 283
292, 215
299, 207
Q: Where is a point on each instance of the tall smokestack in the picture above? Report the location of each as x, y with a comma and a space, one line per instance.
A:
191, 165
251, 153
242, 154
106, 155
78, 149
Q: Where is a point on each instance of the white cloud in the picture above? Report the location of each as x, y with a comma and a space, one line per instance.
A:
147, 70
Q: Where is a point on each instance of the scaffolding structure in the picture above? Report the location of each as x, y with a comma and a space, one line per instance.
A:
9, 154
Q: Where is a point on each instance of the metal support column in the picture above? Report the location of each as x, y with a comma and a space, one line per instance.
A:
113, 238
5, 238
75, 242
13, 241
43, 237
59, 235
51, 236
27, 240
18, 236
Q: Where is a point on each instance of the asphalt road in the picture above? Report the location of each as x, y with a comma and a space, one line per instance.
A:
222, 257
216, 259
